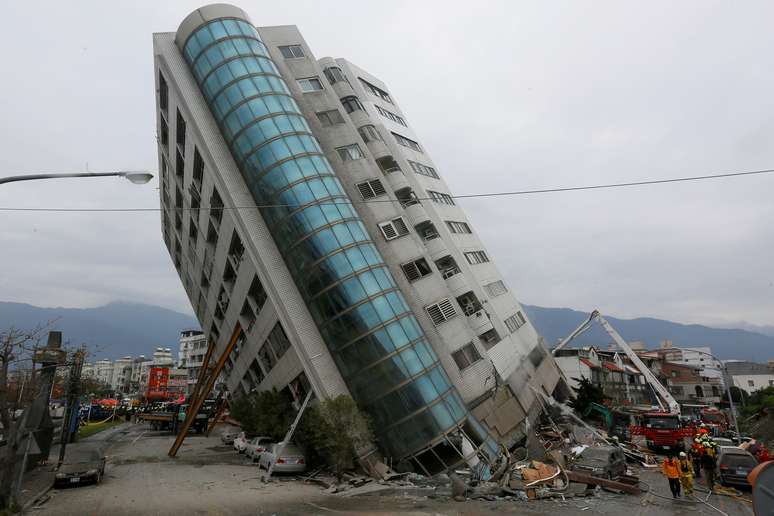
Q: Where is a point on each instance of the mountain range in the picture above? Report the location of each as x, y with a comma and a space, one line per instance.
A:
120, 329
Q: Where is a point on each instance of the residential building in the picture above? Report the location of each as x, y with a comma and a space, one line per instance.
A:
163, 357
688, 384
122, 374
696, 356
139, 377
104, 371
356, 272
612, 371
193, 346
88, 370
750, 376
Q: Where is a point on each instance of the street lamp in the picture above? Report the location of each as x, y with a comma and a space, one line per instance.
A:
138, 177
726, 381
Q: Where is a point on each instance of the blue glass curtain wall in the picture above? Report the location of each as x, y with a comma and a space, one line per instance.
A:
372, 334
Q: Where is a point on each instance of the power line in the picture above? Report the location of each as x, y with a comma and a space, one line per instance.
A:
373, 201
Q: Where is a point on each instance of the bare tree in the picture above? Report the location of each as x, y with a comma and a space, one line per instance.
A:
16, 352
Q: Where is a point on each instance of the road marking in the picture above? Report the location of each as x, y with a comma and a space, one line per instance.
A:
137, 438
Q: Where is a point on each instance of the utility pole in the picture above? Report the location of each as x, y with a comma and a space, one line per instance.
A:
73, 388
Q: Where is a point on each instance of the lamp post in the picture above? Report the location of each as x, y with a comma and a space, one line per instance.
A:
137, 177
726, 381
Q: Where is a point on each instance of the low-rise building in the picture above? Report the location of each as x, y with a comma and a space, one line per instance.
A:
750, 376
104, 371
688, 385
612, 371
193, 347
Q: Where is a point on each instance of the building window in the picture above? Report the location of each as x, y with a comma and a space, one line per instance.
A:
441, 311
476, 257
163, 93
350, 152
458, 227
376, 91
496, 288
278, 341
164, 133
750, 383
334, 75
256, 295
419, 168
198, 168
392, 116
407, 142
441, 198
292, 51
371, 189
179, 164
515, 322
351, 104
180, 132
393, 229
310, 84
255, 368
369, 134
416, 269
329, 118
466, 356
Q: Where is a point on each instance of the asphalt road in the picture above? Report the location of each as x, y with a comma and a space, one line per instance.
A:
209, 478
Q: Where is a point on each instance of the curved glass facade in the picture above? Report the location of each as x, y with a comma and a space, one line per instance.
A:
374, 338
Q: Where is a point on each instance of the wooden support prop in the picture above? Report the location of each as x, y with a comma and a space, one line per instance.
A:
203, 387
584, 478
218, 415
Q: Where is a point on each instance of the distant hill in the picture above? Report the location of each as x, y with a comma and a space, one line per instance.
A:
111, 331
119, 329
557, 323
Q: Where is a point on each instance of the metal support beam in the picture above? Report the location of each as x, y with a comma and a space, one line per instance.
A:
219, 414
288, 436
204, 385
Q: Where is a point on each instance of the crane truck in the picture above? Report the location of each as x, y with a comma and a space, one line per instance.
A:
661, 426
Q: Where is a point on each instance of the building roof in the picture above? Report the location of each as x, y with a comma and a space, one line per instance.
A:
589, 363
612, 367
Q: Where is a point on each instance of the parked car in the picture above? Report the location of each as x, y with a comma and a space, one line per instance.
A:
228, 436
291, 460
256, 446
734, 464
240, 442
602, 461
723, 441
89, 466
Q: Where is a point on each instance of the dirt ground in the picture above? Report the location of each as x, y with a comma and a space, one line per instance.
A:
208, 478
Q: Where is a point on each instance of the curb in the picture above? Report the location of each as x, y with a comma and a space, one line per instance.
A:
35, 498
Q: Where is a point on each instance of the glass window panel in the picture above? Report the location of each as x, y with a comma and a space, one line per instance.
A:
218, 30
332, 213
283, 123
440, 380
247, 30
442, 415
369, 283
339, 265
232, 28
384, 280
327, 240
295, 147
291, 171
247, 86
355, 291
455, 406
244, 114
280, 149
425, 389
397, 303
368, 315
269, 128
238, 68
315, 217
228, 49
265, 157
343, 234
272, 102
241, 46
411, 359
303, 193
356, 258
411, 327
398, 336
252, 66
383, 308
423, 351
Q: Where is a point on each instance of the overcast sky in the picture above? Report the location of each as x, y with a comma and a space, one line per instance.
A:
504, 96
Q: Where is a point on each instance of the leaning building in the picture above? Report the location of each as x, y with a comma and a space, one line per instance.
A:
298, 203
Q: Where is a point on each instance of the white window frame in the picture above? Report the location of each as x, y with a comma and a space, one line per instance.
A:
412, 272
469, 353
394, 228
350, 152
516, 321
496, 288
326, 118
476, 257
371, 189
441, 311
462, 228
293, 50
310, 81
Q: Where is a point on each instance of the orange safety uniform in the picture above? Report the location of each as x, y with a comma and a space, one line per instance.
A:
670, 470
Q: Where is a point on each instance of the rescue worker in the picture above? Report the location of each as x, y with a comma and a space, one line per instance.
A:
697, 450
686, 473
671, 469
708, 464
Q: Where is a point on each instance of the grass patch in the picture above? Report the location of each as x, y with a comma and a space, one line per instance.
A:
94, 428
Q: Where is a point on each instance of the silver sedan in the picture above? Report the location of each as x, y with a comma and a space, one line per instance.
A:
290, 460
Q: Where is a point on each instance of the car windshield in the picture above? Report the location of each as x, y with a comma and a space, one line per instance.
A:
663, 423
